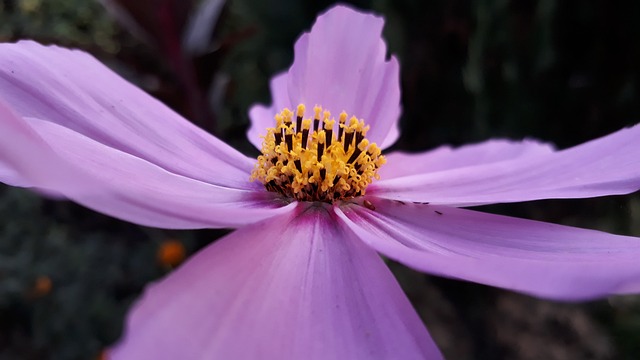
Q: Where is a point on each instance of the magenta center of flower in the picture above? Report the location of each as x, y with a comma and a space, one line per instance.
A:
315, 160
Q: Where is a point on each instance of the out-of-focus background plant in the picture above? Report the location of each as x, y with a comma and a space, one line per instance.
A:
563, 71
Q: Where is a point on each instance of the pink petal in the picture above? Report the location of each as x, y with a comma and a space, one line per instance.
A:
294, 287
262, 117
72, 89
537, 258
10, 177
606, 166
342, 65
445, 157
60, 161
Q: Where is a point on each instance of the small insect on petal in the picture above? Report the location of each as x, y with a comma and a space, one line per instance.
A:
369, 205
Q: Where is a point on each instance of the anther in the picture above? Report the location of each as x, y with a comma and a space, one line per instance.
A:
316, 117
348, 136
361, 132
278, 137
299, 115
342, 119
306, 123
328, 127
288, 138
277, 134
286, 117
320, 149
362, 145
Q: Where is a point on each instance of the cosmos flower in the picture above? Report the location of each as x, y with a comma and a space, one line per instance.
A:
301, 278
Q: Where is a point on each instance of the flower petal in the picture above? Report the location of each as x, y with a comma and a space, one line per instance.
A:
57, 160
445, 157
537, 258
262, 117
606, 166
74, 90
294, 287
341, 65
10, 177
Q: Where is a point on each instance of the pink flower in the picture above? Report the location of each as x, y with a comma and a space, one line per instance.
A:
302, 279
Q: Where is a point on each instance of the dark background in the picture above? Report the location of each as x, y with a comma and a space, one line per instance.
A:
561, 71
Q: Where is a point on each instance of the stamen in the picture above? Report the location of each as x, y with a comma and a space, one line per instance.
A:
342, 119
348, 137
278, 134
320, 149
299, 114
313, 164
328, 127
359, 149
306, 123
288, 138
286, 116
277, 138
316, 117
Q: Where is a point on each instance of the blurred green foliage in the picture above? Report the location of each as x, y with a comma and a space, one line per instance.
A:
73, 316
94, 268
78, 23
562, 71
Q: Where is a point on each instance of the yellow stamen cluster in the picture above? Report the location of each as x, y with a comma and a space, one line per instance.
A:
309, 162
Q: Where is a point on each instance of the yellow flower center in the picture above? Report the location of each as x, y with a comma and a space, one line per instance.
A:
309, 162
